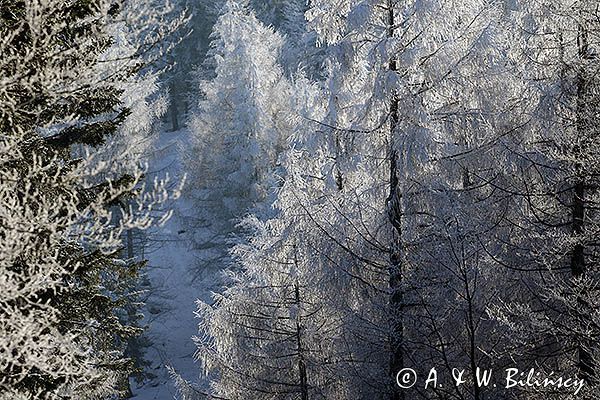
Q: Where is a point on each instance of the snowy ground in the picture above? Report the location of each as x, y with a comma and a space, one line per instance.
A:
177, 276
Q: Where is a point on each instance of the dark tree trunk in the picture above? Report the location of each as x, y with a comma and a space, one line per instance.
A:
299, 347
174, 110
394, 209
130, 253
578, 208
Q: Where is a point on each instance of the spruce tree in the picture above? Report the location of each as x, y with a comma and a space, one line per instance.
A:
65, 205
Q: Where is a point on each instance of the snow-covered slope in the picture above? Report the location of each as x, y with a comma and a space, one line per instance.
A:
177, 276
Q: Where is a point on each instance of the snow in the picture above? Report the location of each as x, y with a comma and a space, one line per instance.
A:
176, 282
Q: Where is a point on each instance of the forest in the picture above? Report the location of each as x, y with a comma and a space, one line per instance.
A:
299, 199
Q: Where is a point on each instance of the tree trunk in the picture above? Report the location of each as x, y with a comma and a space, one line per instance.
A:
578, 208
174, 110
130, 253
394, 209
299, 348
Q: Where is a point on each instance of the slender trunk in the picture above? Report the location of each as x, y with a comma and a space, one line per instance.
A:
174, 110
470, 299
129, 234
299, 347
471, 330
339, 177
130, 310
578, 209
394, 208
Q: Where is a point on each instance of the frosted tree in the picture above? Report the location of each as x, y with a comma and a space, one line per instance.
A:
381, 123
190, 44
241, 122
441, 164
556, 184
277, 332
269, 336
61, 336
411, 64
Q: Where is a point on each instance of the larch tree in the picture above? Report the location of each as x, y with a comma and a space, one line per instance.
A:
240, 124
434, 165
557, 183
278, 331
395, 63
373, 135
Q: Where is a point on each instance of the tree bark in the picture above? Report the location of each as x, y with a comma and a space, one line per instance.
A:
394, 210
299, 348
174, 110
578, 208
